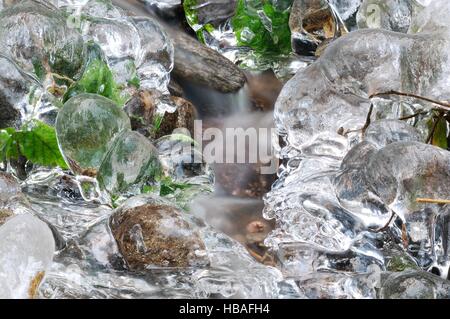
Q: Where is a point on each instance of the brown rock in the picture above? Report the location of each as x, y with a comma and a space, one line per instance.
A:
5, 215
157, 235
141, 110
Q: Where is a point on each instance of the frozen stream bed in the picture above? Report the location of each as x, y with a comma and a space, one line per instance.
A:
101, 198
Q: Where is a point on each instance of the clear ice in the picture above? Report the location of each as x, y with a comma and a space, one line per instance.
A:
86, 127
353, 164
131, 161
26, 254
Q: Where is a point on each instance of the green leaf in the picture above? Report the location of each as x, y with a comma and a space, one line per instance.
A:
9, 148
263, 27
97, 78
192, 19
36, 141
167, 186
440, 134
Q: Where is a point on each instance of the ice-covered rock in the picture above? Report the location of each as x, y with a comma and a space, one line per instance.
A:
313, 23
157, 235
26, 254
86, 127
182, 159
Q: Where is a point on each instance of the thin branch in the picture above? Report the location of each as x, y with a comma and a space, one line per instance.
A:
433, 201
379, 230
364, 128
422, 112
441, 105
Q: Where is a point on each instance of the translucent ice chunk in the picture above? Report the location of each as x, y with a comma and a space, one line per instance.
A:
26, 254
9, 187
35, 35
392, 15
412, 284
86, 127
345, 8
129, 163
182, 159
404, 171
155, 60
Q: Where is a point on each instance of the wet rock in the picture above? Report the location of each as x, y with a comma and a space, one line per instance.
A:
243, 180
8, 114
175, 88
264, 89
313, 23
143, 115
157, 235
183, 117
197, 63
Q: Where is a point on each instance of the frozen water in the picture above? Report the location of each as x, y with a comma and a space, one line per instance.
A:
34, 34
182, 159
131, 161
90, 265
9, 187
26, 254
138, 44
392, 15
155, 61
86, 127
412, 284
347, 191
345, 8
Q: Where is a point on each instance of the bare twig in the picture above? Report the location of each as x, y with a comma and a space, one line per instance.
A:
441, 105
379, 230
404, 118
433, 201
366, 124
